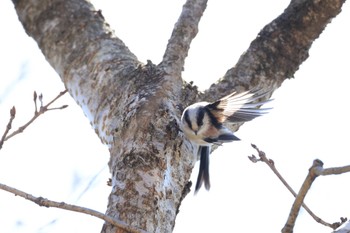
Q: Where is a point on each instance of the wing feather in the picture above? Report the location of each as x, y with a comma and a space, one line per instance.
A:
239, 107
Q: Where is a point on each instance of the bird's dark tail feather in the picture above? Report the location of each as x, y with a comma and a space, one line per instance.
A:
228, 138
203, 174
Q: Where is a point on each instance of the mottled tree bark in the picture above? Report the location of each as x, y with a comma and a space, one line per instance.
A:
135, 108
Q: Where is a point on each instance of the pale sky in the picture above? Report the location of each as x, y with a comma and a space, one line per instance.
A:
60, 157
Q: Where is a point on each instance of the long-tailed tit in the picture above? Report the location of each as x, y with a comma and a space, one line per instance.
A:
202, 124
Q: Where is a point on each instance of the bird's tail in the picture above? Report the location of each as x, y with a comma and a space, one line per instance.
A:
203, 174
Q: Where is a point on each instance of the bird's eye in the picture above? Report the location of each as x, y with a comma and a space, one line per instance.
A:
200, 117
200, 123
187, 119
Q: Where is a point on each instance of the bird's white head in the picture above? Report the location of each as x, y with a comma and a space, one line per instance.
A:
195, 122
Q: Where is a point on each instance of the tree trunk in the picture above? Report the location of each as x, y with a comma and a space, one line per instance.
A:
135, 108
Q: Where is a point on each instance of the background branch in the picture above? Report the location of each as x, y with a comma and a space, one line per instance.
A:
318, 171
293, 214
61, 205
37, 113
315, 170
9, 125
332, 171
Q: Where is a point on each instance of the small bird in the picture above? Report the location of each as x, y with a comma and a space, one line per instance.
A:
202, 124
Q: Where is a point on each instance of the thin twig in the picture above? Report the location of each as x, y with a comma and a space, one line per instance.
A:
271, 164
37, 113
34, 98
62, 205
9, 125
58, 96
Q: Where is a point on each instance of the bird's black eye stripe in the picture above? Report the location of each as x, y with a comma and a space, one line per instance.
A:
200, 116
187, 119
213, 119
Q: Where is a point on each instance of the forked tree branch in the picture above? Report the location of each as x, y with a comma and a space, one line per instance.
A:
314, 171
42, 110
62, 205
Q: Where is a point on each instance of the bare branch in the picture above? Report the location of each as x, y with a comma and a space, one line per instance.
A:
9, 125
184, 31
41, 100
62, 205
34, 98
333, 170
57, 97
270, 163
37, 113
314, 172
288, 228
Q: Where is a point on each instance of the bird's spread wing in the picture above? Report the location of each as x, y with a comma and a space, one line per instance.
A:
239, 107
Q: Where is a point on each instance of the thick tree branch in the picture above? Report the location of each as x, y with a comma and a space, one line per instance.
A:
279, 49
69, 32
83, 50
184, 32
277, 52
62, 205
128, 104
